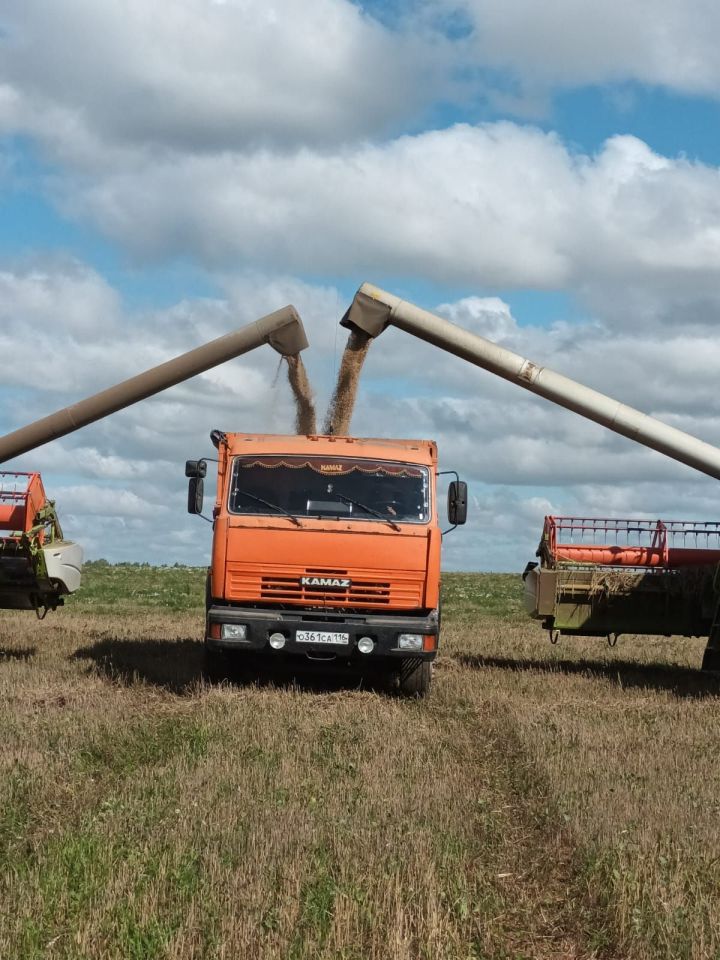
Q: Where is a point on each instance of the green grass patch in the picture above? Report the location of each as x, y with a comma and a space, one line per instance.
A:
149, 743
497, 595
107, 586
15, 804
67, 876
318, 903
669, 902
176, 877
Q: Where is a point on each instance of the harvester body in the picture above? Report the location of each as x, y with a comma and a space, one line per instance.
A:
38, 567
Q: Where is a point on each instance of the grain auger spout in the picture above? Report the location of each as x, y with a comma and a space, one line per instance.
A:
38, 567
283, 330
373, 309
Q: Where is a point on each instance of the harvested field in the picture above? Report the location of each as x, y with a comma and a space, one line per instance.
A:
545, 802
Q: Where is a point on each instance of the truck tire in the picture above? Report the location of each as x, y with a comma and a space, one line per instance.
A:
415, 677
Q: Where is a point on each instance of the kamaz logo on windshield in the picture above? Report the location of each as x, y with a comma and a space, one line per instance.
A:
326, 583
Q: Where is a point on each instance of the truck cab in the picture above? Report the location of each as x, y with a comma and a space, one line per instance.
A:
326, 547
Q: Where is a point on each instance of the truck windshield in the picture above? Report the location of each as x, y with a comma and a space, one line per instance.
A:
374, 490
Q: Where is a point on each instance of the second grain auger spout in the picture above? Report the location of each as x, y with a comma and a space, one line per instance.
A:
374, 309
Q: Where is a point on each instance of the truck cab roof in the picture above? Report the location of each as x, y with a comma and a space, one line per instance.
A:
374, 448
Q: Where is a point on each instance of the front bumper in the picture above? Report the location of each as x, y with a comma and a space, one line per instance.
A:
383, 630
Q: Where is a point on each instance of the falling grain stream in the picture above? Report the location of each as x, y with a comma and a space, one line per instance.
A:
342, 403
305, 421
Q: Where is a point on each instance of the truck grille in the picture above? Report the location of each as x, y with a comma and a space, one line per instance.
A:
360, 594
284, 586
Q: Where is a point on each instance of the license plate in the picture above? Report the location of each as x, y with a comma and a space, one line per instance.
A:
321, 636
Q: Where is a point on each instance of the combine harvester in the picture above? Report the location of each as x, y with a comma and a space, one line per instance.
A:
596, 577
38, 568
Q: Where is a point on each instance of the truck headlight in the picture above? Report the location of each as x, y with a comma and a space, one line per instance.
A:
234, 631
410, 641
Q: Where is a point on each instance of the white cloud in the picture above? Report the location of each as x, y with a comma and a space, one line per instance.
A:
455, 202
190, 75
498, 204
117, 82
488, 317
565, 43
105, 501
175, 133
79, 298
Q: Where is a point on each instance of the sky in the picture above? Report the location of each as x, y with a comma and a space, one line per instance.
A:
545, 175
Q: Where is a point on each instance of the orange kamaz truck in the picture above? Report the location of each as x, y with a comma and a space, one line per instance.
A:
326, 547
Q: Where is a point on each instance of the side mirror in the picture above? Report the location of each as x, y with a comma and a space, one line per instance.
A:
195, 468
457, 503
196, 493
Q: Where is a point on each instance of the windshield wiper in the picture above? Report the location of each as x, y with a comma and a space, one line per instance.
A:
375, 513
273, 506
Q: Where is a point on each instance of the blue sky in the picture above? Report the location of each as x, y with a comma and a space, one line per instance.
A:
548, 178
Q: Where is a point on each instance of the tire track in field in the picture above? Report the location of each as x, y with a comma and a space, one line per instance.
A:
550, 913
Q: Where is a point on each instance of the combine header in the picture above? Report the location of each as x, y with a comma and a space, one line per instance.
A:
607, 577
38, 568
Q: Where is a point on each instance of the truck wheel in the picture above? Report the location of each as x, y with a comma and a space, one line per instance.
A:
215, 665
415, 677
